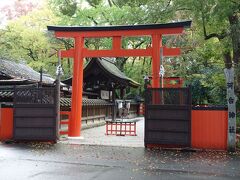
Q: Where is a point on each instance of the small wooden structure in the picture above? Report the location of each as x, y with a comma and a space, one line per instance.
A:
168, 82
103, 78
173, 82
101, 75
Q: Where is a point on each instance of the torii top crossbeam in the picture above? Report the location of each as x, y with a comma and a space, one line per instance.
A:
79, 52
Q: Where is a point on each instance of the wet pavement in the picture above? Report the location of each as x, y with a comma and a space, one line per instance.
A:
86, 162
102, 157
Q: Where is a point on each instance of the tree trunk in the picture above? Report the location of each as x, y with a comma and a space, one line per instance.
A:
120, 62
69, 65
234, 21
227, 59
142, 73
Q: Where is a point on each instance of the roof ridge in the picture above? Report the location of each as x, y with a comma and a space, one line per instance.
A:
107, 59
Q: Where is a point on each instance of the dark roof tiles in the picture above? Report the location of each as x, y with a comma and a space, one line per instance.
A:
6, 94
18, 71
109, 68
64, 102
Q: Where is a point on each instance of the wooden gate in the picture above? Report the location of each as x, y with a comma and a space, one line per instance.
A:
168, 117
35, 113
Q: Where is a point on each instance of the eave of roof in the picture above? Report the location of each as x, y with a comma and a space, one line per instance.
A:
15, 82
110, 69
185, 24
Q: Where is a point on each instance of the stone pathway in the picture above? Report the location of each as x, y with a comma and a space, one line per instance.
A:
96, 136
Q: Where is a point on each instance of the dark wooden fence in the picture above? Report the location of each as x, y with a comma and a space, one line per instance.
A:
95, 109
168, 117
35, 113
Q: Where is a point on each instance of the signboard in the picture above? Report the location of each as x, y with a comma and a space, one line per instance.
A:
231, 99
105, 94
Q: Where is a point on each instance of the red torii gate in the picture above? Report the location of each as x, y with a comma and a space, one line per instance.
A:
79, 52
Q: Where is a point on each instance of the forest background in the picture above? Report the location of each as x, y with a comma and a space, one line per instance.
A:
209, 46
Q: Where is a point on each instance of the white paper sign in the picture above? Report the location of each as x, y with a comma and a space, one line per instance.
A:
162, 70
104, 94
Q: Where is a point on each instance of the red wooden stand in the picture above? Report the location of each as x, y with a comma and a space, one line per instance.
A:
121, 128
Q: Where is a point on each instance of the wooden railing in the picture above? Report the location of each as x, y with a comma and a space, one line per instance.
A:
91, 115
64, 121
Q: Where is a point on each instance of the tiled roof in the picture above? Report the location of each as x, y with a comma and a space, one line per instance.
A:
64, 102
111, 68
6, 94
18, 71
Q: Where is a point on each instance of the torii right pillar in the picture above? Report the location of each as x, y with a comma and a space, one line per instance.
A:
156, 59
156, 55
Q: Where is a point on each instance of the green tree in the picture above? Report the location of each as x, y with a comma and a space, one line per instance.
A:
210, 45
218, 21
25, 38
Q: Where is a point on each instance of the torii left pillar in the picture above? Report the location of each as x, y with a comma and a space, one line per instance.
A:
76, 112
